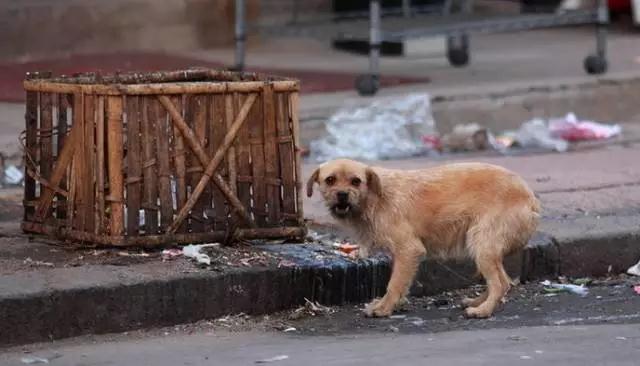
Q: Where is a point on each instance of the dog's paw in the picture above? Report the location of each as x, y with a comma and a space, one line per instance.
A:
477, 312
378, 308
471, 302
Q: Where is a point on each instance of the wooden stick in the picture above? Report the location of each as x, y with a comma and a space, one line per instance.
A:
150, 193
46, 140
295, 126
164, 168
188, 135
200, 113
228, 118
255, 125
31, 126
88, 177
243, 165
134, 165
165, 239
161, 88
63, 104
217, 158
63, 160
79, 163
287, 159
179, 162
221, 121
116, 180
271, 158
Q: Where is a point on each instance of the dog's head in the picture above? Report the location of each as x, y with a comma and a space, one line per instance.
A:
345, 185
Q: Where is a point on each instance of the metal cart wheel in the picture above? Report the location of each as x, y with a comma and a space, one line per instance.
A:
458, 50
367, 84
595, 65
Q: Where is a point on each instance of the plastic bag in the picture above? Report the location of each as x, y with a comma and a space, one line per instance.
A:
571, 129
536, 133
387, 128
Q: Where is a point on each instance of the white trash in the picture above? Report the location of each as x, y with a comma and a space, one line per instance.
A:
387, 128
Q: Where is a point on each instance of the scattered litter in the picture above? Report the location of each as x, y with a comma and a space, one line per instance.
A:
286, 263
416, 321
394, 329
193, 251
310, 308
394, 128
13, 175
273, 359
168, 254
346, 247
562, 287
289, 329
636, 288
539, 351
30, 360
535, 133
525, 357
570, 128
634, 270
33, 263
128, 254
468, 137
398, 316
621, 338
33, 360
582, 281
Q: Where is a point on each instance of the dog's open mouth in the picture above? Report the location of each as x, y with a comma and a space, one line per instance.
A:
341, 209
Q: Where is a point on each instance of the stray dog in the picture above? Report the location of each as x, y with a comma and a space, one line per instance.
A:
474, 210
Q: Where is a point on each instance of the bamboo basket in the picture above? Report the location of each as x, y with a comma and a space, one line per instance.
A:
162, 158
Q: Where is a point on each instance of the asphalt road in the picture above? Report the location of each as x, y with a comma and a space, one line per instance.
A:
534, 327
561, 345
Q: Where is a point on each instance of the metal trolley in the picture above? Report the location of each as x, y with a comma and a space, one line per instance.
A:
453, 19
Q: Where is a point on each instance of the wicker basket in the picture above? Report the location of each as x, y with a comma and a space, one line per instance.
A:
162, 158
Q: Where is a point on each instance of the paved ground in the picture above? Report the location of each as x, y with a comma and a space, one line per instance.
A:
534, 328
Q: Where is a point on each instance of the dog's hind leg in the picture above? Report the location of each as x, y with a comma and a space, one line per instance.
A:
487, 250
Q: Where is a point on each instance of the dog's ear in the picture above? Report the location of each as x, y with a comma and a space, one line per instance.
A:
373, 182
312, 179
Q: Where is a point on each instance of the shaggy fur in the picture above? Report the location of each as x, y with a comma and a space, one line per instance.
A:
474, 210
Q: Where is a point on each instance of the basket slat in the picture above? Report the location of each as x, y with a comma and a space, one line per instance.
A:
256, 138
159, 115
271, 157
89, 174
46, 135
62, 104
115, 159
217, 131
179, 163
31, 141
286, 157
244, 154
134, 165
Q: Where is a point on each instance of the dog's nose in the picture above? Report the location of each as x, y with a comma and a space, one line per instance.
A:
343, 196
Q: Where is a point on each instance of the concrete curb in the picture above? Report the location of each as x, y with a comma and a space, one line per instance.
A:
36, 306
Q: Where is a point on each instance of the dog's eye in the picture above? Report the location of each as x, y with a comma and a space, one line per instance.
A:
356, 182
330, 180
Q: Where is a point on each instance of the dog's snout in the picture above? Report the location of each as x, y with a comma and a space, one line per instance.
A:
342, 196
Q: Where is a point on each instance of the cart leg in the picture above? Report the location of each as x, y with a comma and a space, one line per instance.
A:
368, 84
458, 44
240, 35
597, 63
406, 8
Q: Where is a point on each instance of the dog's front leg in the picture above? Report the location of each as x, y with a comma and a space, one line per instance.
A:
406, 258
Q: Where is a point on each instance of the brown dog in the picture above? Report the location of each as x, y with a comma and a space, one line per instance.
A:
459, 210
